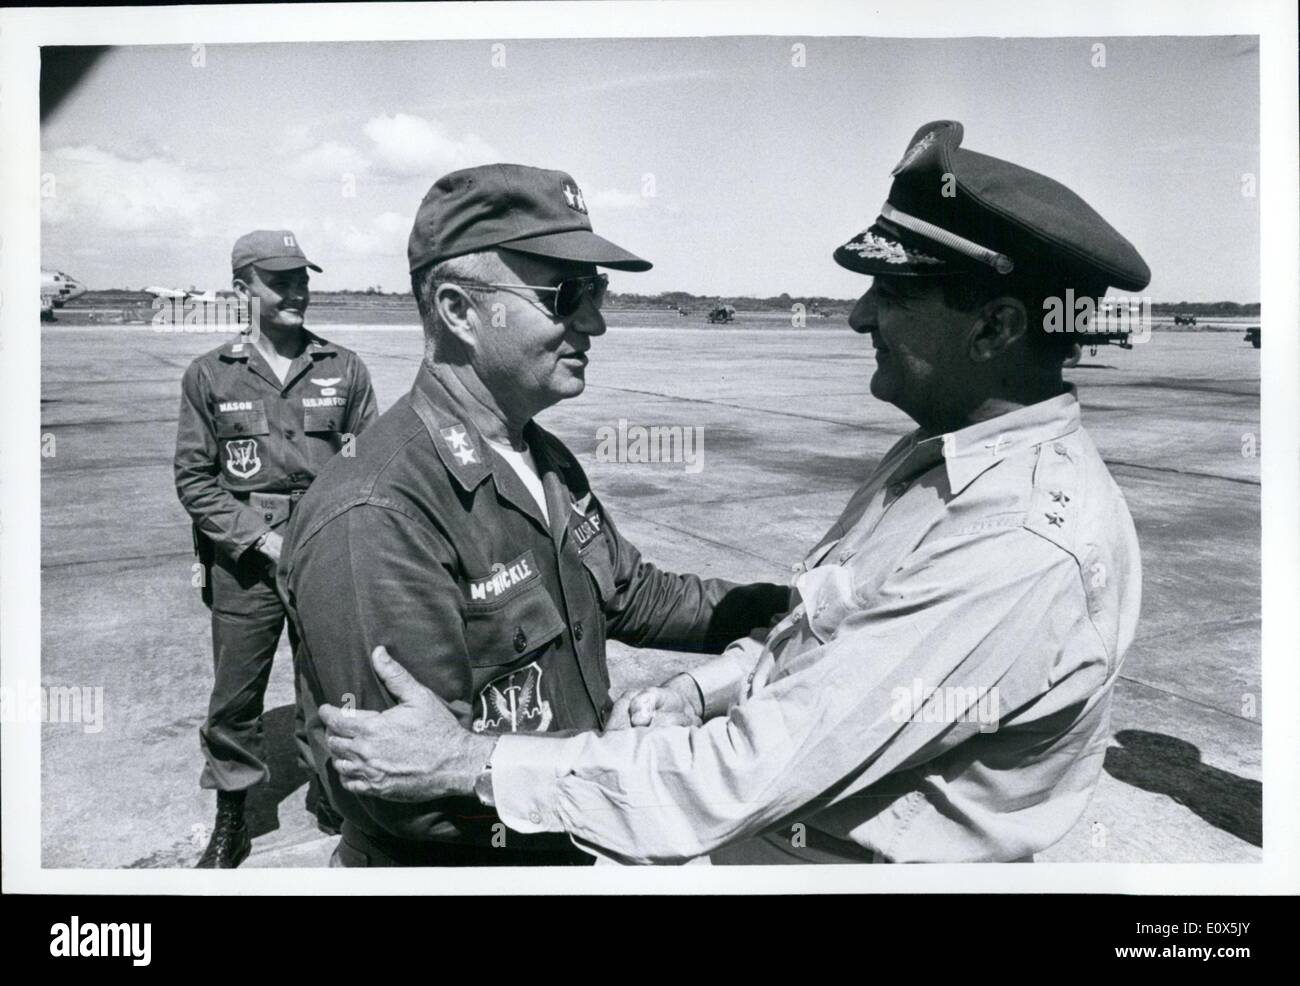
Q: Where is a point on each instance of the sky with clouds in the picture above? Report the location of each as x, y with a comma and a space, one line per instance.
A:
733, 170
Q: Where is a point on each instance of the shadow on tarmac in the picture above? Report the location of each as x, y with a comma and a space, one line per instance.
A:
261, 810
1170, 766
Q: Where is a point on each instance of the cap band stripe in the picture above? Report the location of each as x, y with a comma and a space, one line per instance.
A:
1000, 262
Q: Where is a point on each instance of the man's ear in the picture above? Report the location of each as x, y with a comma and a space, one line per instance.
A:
457, 314
1002, 323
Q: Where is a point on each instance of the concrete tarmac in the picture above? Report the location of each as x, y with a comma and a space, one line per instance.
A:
789, 431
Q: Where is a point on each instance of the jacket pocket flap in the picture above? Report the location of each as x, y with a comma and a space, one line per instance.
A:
322, 419
596, 560
502, 633
240, 424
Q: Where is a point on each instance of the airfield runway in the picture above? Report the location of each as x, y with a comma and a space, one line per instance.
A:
789, 432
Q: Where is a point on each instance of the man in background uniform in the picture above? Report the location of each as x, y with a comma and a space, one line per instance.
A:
467, 538
942, 690
259, 416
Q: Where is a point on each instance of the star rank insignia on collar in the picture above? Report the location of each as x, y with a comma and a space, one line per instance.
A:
458, 440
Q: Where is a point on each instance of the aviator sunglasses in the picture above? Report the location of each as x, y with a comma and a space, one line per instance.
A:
564, 299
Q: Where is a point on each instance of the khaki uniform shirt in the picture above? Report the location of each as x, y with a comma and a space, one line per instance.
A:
941, 692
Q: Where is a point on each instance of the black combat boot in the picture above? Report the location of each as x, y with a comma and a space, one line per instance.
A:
230, 843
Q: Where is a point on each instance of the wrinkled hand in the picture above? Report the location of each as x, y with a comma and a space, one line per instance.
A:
415, 751
674, 703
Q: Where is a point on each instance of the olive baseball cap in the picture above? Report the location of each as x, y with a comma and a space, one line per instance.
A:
270, 249
531, 210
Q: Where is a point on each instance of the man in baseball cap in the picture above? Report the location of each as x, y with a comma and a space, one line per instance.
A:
467, 539
259, 417
941, 691
269, 249
527, 210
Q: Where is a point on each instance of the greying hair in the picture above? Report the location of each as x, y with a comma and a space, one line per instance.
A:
484, 266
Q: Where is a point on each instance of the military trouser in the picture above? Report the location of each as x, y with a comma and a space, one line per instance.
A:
248, 616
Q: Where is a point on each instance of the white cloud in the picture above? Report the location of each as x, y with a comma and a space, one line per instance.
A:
296, 138
100, 191
611, 198
407, 146
400, 146
393, 223
383, 236
358, 242
328, 162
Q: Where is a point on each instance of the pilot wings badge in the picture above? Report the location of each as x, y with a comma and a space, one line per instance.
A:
241, 457
513, 703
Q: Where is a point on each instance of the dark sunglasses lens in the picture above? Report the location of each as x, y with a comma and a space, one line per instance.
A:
569, 297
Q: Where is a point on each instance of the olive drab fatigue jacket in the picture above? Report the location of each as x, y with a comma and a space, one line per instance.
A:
241, 431
429, 544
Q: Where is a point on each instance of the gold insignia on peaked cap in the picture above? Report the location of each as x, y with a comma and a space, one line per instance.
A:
924, 139
915, 151
872, 245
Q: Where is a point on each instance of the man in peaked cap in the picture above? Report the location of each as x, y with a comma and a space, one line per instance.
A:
941, 691
466, 538
259, 416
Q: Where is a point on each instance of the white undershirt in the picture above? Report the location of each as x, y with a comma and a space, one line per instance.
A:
525, 468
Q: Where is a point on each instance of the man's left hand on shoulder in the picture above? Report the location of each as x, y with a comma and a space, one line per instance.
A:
415, 751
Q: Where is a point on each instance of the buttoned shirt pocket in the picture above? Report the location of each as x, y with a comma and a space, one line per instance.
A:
502, 633
241, 440
250, 420
511, 682
317, 420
